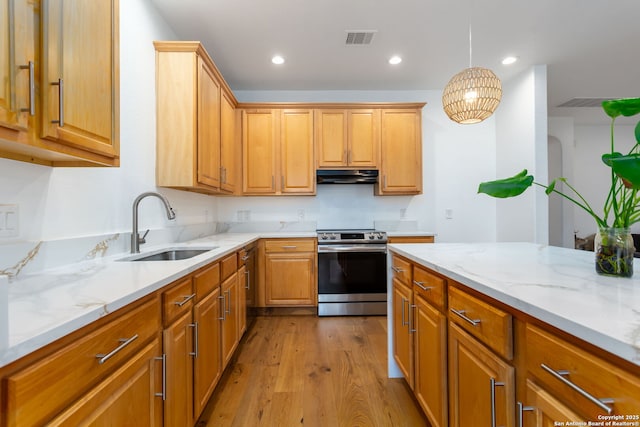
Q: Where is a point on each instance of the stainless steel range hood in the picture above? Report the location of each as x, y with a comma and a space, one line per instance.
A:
346, 176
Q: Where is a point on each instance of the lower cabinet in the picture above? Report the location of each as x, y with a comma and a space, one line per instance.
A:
402, 333
544, 409
290, 272
229, 316
481, 385
133, 392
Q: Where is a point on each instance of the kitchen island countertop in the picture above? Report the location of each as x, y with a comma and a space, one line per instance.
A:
558, 286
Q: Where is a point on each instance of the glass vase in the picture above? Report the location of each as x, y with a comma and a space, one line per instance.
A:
614, 252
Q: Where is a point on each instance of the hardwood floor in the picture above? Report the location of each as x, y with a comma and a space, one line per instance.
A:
312, 371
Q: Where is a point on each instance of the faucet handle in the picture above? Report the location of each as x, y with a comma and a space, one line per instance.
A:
142, 240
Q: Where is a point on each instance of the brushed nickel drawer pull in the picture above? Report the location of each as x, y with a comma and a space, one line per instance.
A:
248, 279
462, 314
222, 297
403, 321
185, 300
412, 321
163, 394
521, 410
124, 342
289, 247
32, 89
397, 269
422, 286
227, 305
494, 384
598, 402
244, 258
194, 353
60, 84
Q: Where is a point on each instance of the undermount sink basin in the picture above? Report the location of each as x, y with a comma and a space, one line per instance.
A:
169, 255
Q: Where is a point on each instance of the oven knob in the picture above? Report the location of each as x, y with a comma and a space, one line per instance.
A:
380, 236
323, 236
334, 237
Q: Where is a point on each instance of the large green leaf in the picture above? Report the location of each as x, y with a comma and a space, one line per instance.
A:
637, 132
626, 167
507, 187
621, 107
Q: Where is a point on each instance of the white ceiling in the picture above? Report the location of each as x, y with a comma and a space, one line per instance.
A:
591, 47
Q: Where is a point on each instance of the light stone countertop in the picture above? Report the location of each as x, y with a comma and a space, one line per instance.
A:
558, 286
37, 309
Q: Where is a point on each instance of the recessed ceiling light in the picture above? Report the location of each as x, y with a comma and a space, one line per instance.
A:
395, 60
509, 60
277, 59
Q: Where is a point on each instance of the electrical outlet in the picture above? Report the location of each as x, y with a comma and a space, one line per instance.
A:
448, 213
9, 224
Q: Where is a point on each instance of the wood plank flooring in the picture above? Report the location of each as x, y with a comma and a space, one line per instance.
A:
312, 371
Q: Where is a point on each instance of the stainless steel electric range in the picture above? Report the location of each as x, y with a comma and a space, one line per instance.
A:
352, 272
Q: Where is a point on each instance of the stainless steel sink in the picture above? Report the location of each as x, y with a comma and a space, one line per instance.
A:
175, 254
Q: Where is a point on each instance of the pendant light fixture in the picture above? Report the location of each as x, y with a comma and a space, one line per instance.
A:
472, 95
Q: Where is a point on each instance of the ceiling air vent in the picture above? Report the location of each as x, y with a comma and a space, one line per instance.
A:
360, 37
584, 102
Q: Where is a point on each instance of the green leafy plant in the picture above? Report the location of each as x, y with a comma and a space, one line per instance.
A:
622, 203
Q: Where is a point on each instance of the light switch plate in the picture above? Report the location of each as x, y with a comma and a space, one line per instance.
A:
9, 224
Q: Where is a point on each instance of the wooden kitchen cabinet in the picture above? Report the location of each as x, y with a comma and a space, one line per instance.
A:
229, 309
403, 349
401, 152
481, 384
544, 410
347, 138
411, 239
132, 392
72, 101
242, 300
290, 272
195, 121
278, 155
179, 350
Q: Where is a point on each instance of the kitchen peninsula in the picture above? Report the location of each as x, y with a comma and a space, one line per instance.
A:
548, 335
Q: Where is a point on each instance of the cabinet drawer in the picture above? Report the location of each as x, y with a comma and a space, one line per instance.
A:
401, 269
228, 266
299, 245
429, 286
177, 300
595, 376
206, 280
489, 324
41, 390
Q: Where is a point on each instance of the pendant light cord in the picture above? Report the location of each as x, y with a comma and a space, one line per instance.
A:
469, 45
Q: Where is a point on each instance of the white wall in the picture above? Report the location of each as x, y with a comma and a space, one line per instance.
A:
521, 143
562, 129
455, 159
70, 202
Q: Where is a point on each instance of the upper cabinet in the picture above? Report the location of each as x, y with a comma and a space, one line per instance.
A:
278, 155
195, 121
59, 102
347, 138
401, 152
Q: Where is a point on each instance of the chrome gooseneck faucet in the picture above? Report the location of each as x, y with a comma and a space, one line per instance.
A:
136, 240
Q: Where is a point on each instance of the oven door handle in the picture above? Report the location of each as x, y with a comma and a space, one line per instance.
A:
351, 248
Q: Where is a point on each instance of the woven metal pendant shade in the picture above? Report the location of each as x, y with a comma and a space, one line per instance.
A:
472, 95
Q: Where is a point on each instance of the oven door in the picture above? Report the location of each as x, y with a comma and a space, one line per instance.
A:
353, 274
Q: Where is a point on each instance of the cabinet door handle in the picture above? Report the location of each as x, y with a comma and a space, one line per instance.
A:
521, 410
461, 313
194, 325
494, 384
397, 269
404, 322
223, 300
248, 281
60, 84
228, 305
601, 403
185, 299
32, 89
412, 321
246, 257
163, 394
123, 343
422, 286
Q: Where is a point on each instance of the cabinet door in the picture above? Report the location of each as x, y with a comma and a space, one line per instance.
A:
363, 136
259, 128
296, 152
481, 385
230, 316
133, 392
402, 339
178, 348
290, 279
331, 138
431, 361
17, 62
208, 358
228, 144
80, 74
401, 171
544, 410
208, 127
